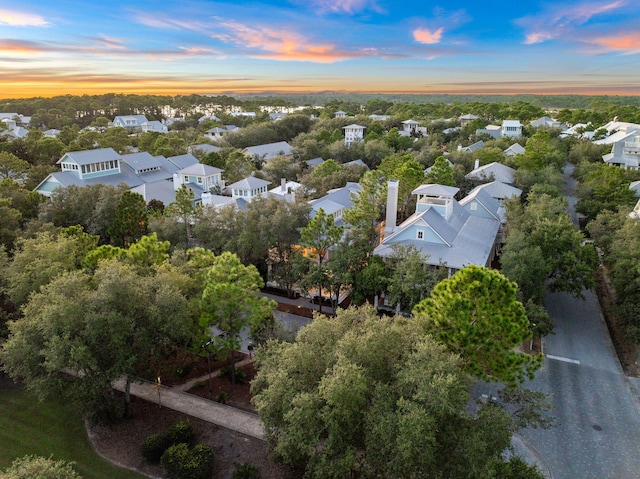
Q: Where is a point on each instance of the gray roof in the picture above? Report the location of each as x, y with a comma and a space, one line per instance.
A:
315, 161
473, 147
182, 161
498, 190
339, 196
269, 150
218, 201
353, 125
356, 163
490, 204
200, 169
435, 190
499, 172
249, 183
141, 161
205, 148
161, 190
515, 149
87, 157
469, 239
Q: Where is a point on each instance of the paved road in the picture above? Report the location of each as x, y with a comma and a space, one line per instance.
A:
596, 407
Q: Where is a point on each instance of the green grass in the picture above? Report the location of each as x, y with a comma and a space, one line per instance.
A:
50, 428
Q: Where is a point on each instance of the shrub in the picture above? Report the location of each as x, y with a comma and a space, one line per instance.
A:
180, 432
246, 471
182, 463
222, 397
153, 447
241, 376
199, 384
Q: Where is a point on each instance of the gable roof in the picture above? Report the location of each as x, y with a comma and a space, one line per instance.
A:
498, 190
499, 172
269, 150
354, 126
249, 183
515, 149
204, 147
182, 161
200, 169
490, 204
435, 190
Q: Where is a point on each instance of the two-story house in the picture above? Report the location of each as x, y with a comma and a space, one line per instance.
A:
353, 133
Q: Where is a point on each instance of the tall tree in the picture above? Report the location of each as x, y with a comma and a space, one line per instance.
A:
100, 327
320, 235
231, 304
476, 314
183, 209
357, 395
441, 173
129, 223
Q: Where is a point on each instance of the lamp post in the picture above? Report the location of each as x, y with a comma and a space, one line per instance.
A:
206, 345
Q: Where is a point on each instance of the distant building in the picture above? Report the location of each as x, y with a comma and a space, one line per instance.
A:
353, 134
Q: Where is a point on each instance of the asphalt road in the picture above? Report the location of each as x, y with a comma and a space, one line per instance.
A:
596, 406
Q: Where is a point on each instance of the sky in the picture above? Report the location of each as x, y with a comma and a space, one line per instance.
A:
50, 48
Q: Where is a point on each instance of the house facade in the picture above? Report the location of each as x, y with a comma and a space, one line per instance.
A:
353, 133
129, 122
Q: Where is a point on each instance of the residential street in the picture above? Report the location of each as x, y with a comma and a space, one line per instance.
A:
598, 412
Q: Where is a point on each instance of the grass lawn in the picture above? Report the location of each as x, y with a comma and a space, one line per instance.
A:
28, 426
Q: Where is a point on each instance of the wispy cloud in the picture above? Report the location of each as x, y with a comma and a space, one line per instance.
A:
426, 36
15, 18
350, 7
626, 43
285, 44
560, 20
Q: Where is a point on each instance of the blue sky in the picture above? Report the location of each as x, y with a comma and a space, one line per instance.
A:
372, 46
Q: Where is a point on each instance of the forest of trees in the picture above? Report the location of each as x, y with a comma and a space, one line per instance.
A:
67, 261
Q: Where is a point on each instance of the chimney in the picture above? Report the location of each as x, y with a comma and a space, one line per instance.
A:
392, 207
476, 164
283, 184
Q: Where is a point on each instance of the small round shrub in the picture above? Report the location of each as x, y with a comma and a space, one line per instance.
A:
222, 397
241, 375
180, 432
153, 447
180, 462
246, 471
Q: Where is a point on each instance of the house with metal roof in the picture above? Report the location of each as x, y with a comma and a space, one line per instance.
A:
490, 172
625, 152
466, 119
514, 150
448, 233
204, 177
248, 188
267, 151
154, 126
471, 148
106, 166
336, 201
129, 122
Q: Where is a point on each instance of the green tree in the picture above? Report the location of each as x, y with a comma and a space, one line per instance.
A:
183, 209
476, 314
231, 304
129, 223
13, 167
441, 173
100, 327
359, 395
320, 235
411, 280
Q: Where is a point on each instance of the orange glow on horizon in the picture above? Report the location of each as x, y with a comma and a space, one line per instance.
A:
31, 89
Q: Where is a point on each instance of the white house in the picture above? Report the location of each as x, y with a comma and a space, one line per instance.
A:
216, 133
625, 152
340, 114
410, 126
154, 126
353, 133
466, 119
205, 177
249, 188
286, 191
511, 128
129, 121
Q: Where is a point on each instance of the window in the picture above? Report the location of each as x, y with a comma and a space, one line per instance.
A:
199, 180
420, 234
474, 206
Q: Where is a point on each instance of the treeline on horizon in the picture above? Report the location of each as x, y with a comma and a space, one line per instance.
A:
83, 110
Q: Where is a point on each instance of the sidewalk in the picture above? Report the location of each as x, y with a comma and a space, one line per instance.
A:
228, 417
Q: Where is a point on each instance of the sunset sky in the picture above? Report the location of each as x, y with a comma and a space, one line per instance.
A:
373, 46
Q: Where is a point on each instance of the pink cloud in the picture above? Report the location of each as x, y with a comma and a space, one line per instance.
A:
625, 42
283, 44
424, 35
14, 18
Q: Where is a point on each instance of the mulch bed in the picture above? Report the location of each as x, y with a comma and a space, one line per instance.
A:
237, 395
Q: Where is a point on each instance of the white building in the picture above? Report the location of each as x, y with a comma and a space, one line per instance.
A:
353, 133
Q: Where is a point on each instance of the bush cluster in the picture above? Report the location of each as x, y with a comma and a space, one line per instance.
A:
180, 462
155, 445
246, 471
